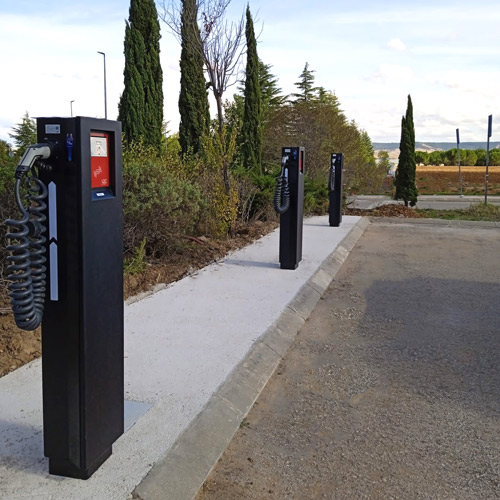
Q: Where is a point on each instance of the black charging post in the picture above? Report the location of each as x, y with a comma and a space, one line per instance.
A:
82, 326
335, 189
292, 219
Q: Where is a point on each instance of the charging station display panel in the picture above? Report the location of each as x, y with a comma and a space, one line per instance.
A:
101, 165
99, 159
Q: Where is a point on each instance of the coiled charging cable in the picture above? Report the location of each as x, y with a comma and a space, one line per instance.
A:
282, 192
27, 270
331, 180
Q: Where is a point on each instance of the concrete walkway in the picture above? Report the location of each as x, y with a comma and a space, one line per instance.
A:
197, 355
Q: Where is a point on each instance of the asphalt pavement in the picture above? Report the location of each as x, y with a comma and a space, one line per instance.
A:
391, 390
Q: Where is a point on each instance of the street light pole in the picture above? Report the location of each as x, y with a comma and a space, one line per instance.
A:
105, 99
71, 106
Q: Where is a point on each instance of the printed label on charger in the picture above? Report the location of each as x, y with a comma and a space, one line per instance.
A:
51, 128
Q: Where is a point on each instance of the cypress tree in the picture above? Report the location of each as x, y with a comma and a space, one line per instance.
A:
193, 100
141, 103
251, 132
406, 189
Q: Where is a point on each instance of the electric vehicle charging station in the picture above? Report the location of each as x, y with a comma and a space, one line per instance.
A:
289, 203
66, 271
335, 189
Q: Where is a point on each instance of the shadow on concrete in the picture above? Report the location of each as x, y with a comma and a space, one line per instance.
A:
326, 224
251, 263
21, 447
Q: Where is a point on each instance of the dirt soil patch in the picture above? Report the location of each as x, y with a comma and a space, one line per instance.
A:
391, 210
18, 347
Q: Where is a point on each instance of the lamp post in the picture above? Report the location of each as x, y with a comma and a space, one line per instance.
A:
105, 100
71, 106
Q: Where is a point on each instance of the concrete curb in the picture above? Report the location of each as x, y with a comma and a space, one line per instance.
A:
182, 472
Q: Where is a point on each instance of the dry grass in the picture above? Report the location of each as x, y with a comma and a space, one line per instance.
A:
432, 168
445, 180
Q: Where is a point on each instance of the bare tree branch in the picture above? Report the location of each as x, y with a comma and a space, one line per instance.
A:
220, 43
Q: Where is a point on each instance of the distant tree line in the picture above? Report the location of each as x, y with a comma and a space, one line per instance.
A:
468, 157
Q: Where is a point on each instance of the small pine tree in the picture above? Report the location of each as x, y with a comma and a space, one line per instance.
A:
251, 132
404, 182
141, 103
306, 85
24, 134
193, 100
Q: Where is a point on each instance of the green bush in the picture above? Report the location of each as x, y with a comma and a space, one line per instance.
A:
159, 207
8, 208
136, 264
315, 196
258, 203
219, 153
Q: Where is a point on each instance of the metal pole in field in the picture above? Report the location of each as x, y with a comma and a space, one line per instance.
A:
490, 119
105, 98
459, 167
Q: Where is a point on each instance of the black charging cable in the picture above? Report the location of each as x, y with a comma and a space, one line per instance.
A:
282, 192
331, 181
26, 242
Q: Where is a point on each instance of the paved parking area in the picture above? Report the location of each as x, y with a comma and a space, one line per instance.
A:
392, 387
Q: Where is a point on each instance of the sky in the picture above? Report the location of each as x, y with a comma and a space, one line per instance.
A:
372, 55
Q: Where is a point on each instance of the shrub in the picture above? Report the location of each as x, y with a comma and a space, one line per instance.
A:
159, 207
219, 150
8, 208
256, 194
315, 196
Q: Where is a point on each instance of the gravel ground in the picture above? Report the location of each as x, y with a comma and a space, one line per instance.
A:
392, 388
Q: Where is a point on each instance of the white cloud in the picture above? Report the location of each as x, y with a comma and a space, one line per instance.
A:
457, 50
481, 84
391, 73
396, 44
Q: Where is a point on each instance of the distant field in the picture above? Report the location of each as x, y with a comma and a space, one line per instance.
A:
445, 180
455, 169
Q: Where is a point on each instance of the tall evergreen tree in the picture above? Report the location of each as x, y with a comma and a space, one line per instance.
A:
270, 91
193, 99
24, 134
406, 188
141, 103
306, 85
252, 116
